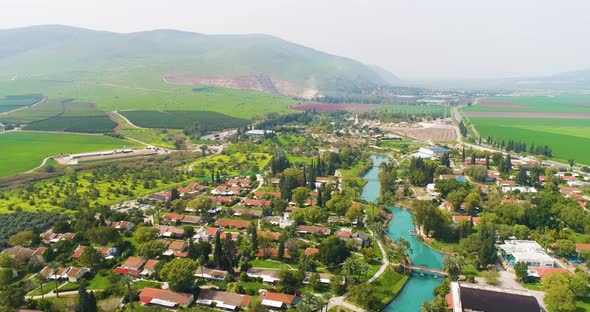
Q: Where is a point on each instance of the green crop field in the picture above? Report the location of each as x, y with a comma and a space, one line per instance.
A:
208, 121
84, 124
139, 92
568, 138
22, 151
554, 104
12, 102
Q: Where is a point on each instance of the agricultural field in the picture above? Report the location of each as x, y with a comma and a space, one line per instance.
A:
567, 138
22, 151
179, 119
62, 115
560, 122
578, 103
143, 91
12, 102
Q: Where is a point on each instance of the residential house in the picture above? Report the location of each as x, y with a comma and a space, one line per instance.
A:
259, 194
275, 236
170, 231
256, 202
267, 276
165, 298
173, 218
211, 274
278, 300
121, 226
24, 252
457, 219
149, 268
71, 274
49, 237
131, 266
223, 300
207, 234
324, 278
177, 249
271, 252
236, 224
313, 229
252, 213
309, 251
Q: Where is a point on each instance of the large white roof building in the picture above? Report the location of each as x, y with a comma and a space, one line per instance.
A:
527, 251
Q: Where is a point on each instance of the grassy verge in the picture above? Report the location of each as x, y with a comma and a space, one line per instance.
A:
387, 286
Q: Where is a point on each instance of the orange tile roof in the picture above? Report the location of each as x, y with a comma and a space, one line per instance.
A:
311, 251
238, 224
284, 298
168, 295
134, 262
546, 271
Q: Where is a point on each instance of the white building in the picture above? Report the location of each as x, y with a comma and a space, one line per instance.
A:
526, 251
258, 134
430, 152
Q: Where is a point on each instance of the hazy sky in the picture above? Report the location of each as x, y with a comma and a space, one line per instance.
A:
411, 38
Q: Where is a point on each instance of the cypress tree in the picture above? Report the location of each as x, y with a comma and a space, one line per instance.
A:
218, 252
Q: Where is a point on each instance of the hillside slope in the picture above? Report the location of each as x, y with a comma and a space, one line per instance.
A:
144, 59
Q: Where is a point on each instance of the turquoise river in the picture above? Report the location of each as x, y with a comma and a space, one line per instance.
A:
418, 288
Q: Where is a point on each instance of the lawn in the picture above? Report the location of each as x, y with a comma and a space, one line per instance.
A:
143, 284
581, 305
98, 282
534, 286
271, 264
444, 247
47, 288
22, 151
567, 138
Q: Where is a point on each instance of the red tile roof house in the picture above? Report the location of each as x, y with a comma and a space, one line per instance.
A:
271, 252
165, 298
256, 202
207, 235
211, 274
176, 248
580, 247
457, 219
19, 251
276, 195
172, 218
50, 237
121, 225
542, 272
278, 300
506, 183
132, 266
149, 267
275, 236
344, 235
170, 231
311, 251
312, 229
224, 190
72, 274
223, 300
237, 224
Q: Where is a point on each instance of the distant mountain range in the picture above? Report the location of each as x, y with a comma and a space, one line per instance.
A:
255, 62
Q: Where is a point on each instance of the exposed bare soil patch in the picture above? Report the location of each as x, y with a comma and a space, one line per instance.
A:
333, 107
434, 134
254, 82
529, 115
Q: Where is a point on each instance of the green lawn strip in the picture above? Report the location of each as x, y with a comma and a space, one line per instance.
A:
47, 288
272, 264
444, 246
139, 285
98, 282
534, 286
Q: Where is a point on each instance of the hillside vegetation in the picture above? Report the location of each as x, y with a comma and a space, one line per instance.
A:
81, 63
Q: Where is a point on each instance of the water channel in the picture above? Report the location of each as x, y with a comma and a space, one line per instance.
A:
418, 288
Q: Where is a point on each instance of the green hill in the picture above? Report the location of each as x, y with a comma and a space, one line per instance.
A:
72, 61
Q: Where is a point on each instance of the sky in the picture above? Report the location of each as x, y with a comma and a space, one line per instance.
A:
414, 39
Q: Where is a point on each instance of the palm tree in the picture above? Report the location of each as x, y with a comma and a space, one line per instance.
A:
350, 266
391, 254
377, 229
41, 279
127, 279
54, 266
453, 264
